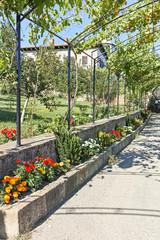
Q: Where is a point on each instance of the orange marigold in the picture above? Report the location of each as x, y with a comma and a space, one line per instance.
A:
7, 189
7, 178
12, 181
24, 189
24, 183
15, 194
19, 187
6, 198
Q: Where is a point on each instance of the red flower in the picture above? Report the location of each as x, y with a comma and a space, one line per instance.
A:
14, 131
112, 132
31, 161
2, 131
28, 169
53, 164
45, 155
5, 130
10, 136
8, 133
72, 121
45, 162
50, 159
18, 160
26, 164
33, 166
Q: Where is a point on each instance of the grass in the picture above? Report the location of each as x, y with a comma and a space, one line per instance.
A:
42, 114
113, 160
82, 110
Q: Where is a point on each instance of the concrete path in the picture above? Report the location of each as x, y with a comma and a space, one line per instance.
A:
122, 202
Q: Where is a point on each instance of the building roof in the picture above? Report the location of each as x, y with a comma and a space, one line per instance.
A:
34, 48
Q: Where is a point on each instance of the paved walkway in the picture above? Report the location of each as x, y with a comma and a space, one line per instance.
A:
122, 202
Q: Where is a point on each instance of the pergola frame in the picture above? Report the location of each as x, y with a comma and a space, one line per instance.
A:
71, 45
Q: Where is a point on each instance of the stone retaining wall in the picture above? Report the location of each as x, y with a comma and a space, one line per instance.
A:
45, 143
21, 216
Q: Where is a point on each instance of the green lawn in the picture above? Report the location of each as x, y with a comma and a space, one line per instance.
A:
42, 114
82, 110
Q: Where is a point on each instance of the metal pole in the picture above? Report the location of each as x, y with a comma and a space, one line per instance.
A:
69, 85
124, 95
129, 99
18, 30
108, 92
94, 85
118, 95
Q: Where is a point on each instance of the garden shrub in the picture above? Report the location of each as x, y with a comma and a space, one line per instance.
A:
121, 130
105, 138
68, 146
91, 147
129, 120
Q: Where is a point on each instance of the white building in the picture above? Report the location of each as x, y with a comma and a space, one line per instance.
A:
83, 59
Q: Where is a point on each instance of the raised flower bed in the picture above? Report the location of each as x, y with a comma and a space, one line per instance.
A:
17, 218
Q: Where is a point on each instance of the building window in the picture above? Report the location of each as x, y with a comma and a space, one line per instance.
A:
84, 60
101, 64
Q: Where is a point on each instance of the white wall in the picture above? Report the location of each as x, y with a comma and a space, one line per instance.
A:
94, 52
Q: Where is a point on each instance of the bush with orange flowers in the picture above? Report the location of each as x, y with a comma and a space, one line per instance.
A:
11, 189
40, 170
30, 176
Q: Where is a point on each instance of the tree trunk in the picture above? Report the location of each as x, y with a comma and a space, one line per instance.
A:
24, 109
34, 102
76, 90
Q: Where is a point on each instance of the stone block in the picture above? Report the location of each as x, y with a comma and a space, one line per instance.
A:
70, 182
55, 194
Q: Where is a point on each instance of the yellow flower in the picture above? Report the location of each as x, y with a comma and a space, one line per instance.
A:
61, 164
56, 164
43, 172
6, 198
68, 160
10, 187
15, 194
7, 189
7, 178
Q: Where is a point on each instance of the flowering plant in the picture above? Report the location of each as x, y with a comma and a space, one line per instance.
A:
145, 113
128, 129
39, 170
11, 189
114, 136
104, 138
121, 130
9, 134
91, 147
137, 123
30, 176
